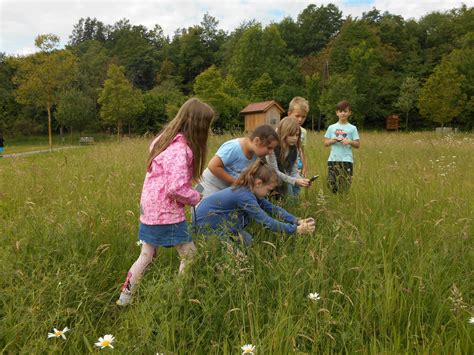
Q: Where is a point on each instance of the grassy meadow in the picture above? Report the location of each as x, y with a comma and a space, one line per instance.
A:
392, 261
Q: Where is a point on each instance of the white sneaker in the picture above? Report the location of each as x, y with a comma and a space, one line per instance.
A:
125, 298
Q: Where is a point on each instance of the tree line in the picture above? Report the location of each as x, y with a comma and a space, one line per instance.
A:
128, 77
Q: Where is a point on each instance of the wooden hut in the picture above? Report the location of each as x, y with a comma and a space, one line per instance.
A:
259, 113
393, 122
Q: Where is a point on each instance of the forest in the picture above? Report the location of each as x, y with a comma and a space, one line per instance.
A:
128, 78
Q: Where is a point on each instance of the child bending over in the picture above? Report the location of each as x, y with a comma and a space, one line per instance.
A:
229, 211
234, 156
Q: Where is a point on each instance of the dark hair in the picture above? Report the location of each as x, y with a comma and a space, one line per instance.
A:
257, 170
266, 134
192, 120
343, 105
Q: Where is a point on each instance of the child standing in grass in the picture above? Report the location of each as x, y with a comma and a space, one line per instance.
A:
177, 157
298, 109
341, 137
234, 156
228, 211
284, 157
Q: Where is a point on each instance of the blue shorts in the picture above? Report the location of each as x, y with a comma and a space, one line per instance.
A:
165, 235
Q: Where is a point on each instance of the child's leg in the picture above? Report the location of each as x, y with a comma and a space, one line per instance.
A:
346, 176
146, 257
332, 176
186, 252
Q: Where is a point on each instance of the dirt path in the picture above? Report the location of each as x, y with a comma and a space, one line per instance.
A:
24, 154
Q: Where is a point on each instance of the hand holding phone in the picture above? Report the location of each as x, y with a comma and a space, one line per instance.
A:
313, 178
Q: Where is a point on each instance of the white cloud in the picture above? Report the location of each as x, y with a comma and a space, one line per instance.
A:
21, 21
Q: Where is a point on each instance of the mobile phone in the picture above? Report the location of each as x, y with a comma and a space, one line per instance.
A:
313, 178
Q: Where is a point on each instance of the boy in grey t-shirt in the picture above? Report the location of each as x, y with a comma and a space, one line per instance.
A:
341, 137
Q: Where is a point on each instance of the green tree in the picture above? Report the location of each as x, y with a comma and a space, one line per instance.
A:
75, 110
340, 87
120, 101
317, 25
42, 77
441, 98
222, 94
313, 92
262, 88
160, 104
408, 98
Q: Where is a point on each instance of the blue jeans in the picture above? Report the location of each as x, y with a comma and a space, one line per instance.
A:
293, 190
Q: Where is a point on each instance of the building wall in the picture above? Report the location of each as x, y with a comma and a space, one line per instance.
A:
253, 120
273, 117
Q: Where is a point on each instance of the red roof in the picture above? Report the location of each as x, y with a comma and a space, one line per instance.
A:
262, 107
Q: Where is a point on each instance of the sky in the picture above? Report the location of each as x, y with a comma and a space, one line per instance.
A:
21, 21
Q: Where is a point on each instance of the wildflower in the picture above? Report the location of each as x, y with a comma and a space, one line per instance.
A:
248, 349
314, 296
106, 341
471, 320
140, 242
58, 333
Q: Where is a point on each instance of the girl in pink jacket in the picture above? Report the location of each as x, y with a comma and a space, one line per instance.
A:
177, 159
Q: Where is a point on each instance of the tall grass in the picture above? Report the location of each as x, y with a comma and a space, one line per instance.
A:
392, 260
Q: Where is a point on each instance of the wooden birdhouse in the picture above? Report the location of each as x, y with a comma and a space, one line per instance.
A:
259, 113
393, 122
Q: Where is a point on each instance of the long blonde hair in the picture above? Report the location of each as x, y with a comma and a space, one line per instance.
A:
192, 120
257, 170
287, 127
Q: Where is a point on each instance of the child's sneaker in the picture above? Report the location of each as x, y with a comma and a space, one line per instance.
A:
125, 298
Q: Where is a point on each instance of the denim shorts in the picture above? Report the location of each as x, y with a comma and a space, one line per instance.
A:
165, 235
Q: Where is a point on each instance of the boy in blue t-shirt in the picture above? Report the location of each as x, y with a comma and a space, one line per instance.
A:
342, 137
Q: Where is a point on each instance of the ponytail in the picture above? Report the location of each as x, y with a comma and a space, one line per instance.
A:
258, 170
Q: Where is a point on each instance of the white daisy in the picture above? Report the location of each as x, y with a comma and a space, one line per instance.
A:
106, 341
140, 242
248, 349
471, 320
58, 333
314, 296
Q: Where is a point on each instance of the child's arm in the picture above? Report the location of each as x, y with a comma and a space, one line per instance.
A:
272, 161
277, 211
179, 177
329, 141
250, 205
216, 166
353, 144
303, 161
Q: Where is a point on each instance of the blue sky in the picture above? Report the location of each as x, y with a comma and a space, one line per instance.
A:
22, 20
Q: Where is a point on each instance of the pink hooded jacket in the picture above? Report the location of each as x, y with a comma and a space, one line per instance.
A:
167, 187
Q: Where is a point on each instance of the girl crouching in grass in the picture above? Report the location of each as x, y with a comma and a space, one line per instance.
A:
229, 211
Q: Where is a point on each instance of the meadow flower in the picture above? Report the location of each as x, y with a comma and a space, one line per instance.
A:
140, 242
106, 341
248, 349
58, 333
314, 296
471, 320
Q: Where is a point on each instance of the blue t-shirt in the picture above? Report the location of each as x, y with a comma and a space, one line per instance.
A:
232, 209
339, 151
234, 161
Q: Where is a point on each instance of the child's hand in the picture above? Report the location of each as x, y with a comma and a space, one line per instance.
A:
309, 221
302, 182
305, 228
346, 141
